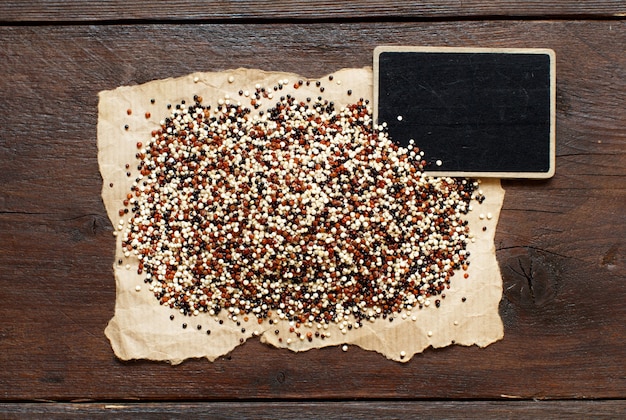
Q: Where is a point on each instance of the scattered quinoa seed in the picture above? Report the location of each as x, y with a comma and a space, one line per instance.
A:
298, 210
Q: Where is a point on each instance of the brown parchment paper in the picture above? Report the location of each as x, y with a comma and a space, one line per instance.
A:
142, 329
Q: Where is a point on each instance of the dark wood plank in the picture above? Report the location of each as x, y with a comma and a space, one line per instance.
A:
326, 410
564, 237
232, 10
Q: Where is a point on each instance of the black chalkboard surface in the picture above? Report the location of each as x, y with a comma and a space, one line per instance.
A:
473, 112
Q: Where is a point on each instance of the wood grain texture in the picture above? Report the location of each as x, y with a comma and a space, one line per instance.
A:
237, 10
560, 242
326, 410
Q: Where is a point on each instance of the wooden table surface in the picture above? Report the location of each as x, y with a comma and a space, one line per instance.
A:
560, 243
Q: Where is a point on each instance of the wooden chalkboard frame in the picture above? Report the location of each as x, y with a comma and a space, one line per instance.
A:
534, 174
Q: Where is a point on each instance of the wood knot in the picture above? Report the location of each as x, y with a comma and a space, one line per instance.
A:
89, 226
280, 377
529, 277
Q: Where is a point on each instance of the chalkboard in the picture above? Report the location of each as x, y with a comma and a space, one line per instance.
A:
473, 112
